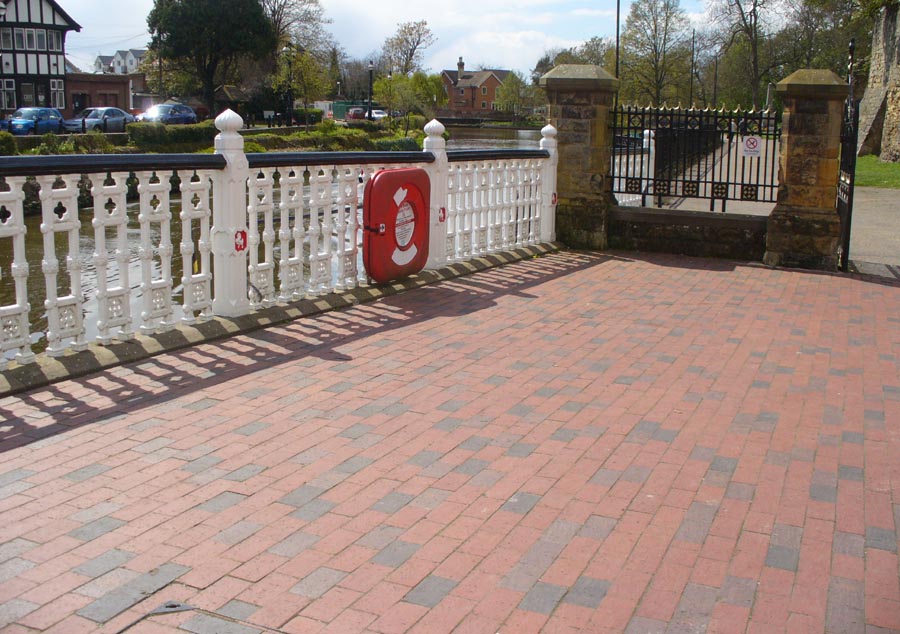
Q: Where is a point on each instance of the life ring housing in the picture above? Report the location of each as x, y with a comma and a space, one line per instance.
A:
395, 222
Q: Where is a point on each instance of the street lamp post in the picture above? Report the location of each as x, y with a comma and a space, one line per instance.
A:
371, 77
288, 50
390, 106
2, 88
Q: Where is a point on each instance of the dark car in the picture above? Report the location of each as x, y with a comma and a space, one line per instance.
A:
35, 121
169, 113
103, 119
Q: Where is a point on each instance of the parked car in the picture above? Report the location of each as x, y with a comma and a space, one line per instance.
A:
169, 113
356, 113
103, 119
36, 121
379, 114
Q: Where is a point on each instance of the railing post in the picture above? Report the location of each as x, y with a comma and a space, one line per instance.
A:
229, 230
438, 172
548, 192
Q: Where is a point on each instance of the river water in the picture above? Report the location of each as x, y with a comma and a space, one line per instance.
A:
460, 139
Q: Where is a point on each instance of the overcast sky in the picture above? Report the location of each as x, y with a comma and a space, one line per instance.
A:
491, 33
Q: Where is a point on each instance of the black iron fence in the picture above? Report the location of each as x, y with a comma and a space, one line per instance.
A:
665, 153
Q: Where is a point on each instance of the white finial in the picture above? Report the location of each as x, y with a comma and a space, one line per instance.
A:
434, 128
548, 131
229, 121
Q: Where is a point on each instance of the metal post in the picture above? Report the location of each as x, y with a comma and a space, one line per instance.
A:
371, 76
691, 93
438, 173
288, 51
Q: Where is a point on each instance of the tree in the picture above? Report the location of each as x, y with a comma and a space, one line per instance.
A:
515, 94
207, 37
655, 50
404, 50
295, 20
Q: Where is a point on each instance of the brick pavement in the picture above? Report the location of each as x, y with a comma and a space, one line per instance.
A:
575, 443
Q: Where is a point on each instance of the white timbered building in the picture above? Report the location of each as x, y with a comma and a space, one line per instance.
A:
32, 54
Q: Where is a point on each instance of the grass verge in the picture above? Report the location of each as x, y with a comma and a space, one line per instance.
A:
871, 172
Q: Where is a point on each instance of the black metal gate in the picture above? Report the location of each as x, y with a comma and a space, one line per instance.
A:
719, 155
849, 133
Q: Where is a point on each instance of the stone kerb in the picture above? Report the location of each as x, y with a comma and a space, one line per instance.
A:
580, 98
804, 228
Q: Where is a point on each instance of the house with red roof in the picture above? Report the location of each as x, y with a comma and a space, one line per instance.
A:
471, 92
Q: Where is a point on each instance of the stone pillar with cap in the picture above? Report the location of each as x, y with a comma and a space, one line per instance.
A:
804, 228
581, 97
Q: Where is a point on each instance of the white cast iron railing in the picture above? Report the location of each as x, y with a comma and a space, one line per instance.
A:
147, 265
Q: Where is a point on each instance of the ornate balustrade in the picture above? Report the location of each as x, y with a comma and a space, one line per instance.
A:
180, 238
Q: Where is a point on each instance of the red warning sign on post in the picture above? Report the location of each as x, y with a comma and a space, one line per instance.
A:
395, 219
240, 240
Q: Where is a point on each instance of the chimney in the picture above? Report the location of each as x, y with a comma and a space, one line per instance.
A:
460, 68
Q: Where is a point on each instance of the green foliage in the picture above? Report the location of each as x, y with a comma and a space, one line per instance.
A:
396, 144
158, 137
8, 144
405, 50
313, 115
253, 147
53, 144
872, 172
327, 126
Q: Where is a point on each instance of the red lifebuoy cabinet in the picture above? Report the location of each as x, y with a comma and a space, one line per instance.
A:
395, 222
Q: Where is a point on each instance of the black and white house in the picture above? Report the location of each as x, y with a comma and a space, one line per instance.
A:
32, 54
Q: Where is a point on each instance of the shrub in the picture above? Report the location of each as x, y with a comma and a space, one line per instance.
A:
158, 137
327, 126
7, 144
396, 144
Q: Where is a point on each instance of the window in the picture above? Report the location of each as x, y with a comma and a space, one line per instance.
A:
41, 38
483, 105
8, 95
484, 90
55, 40
6, 39
20, 39
29, 39
462, 91
57, 93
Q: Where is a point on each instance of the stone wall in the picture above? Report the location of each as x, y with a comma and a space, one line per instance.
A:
879, 112
697, 233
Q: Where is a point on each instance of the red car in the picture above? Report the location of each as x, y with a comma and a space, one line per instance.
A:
356, 113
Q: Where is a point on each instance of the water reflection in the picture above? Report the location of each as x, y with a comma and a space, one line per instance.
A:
493, 139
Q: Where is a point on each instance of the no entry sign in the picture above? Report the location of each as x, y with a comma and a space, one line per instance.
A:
751, 146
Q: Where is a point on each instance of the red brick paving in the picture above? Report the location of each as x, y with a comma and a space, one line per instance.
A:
576, 443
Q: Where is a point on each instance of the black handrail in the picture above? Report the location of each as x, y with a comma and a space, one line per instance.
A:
289, 159
98, 163
490, 155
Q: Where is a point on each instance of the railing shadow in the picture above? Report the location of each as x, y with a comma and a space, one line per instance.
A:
44, 414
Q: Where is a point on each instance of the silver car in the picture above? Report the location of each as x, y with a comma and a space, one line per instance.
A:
106, 119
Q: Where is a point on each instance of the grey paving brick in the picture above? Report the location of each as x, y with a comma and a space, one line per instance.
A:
223, 501
738, 591
472, 466
636, 474
237, 533
236, 609
356, 431
561, 531
665, 435
845, 609
95, 529
846, 472
395, 553
740, 491
431, 498
449, 424
786, 535
452, 405
823, 493
564, 434
475, 443
153, 445
302, 495
704, 454
98, 566
244, 473
849, 544
353, 465
203, 403
150, 423
854, 437
430, 591
696, 523
209, 624
694, 609
783, 557
873, 416
14, 476
881, 539
14, 567
251, 428
425, 458
310, 456
643, 625
131, 593
392, 502
86, 473
14, 488
587, 592
605, 477
521, 450
15, 547
14, 609
723, 464
520, 503
521, 410
598, 527
380, 537
294, 544
542, 598
318, 582
202, 464
313, 510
